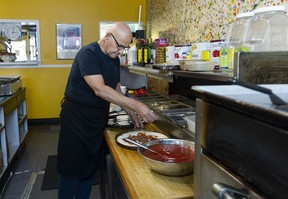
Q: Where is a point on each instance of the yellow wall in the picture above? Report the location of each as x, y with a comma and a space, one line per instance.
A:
45, 85
44, 89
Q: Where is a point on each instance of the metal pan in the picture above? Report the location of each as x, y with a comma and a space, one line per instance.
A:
8, 79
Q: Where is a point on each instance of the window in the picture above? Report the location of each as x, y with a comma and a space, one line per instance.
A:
104, 25
19, 42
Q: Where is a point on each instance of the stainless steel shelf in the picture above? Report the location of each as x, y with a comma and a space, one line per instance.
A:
155, 73
168, 75
210, 75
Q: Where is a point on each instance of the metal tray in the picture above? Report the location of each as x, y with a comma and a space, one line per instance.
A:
10, 88
8, 79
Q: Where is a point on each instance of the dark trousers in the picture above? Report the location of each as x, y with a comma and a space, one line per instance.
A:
70, 187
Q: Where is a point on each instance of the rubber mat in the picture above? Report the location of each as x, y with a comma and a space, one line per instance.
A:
51, 176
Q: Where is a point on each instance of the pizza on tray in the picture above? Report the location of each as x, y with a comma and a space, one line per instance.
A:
138, 136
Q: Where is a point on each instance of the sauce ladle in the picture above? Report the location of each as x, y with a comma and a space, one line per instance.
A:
144, 147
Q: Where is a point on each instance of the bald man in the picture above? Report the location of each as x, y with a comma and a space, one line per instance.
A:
93, 83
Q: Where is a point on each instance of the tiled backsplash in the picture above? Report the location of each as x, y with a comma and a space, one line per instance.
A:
189, 21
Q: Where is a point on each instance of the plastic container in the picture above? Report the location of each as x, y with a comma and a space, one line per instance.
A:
190, 122
161, 42
235, 38
181, 50
268, 30
200, 50
240, 28
215, 47
160, 55
195, 65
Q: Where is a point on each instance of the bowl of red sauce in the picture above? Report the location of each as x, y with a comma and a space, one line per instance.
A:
176, 159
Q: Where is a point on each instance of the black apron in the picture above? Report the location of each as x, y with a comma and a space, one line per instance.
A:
82, 148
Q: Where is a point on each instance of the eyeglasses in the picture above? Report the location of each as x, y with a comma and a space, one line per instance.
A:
119, 47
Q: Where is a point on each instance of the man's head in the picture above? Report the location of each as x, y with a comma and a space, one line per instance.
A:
117, 38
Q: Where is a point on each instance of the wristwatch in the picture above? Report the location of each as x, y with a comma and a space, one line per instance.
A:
12, 32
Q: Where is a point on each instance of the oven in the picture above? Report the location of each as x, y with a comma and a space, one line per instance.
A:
241, 143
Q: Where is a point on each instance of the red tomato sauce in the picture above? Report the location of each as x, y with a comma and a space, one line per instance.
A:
170, 152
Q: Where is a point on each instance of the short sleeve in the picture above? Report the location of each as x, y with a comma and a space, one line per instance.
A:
89, 63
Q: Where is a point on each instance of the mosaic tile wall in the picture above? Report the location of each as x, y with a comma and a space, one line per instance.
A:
189, 21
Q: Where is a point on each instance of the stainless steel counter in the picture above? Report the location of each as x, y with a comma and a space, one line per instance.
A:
210, 75
155, 73
166, 123
168, 74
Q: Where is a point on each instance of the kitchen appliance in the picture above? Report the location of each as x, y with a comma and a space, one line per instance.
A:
262, 67
241, 143
9, 85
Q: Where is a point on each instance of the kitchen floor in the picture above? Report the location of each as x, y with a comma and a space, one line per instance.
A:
26, 180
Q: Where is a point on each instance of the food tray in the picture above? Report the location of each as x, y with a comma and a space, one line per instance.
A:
193, 65
8, 79
120, 121
10, 88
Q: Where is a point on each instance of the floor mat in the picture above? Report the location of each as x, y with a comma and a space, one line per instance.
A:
50, 179
51, 176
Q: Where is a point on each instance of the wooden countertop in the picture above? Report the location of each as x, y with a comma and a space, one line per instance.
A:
140, 182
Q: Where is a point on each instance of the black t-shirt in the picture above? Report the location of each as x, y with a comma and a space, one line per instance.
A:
90, 60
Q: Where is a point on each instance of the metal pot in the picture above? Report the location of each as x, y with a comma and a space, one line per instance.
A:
169, 168
7, 57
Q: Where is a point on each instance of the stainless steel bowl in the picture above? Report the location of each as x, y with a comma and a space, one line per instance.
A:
169, 168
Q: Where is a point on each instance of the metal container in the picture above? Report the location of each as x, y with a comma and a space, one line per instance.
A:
9, 85
169, 168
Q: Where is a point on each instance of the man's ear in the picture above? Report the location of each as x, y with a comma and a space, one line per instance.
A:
107, 35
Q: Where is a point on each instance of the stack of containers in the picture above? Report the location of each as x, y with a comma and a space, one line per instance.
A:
200, 51
160, 51
215, 47
268, 30
234, 40
132, 52
182, 52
